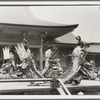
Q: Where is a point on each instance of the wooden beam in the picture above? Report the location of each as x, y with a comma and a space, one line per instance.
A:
25, 80
61, 91
94, 62
19, 88
41, 58
87, 86
64, 87
41, 54
12, 43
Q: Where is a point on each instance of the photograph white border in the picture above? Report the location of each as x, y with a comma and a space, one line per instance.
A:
49, 3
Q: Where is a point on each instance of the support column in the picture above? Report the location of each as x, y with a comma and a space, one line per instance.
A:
42, 35
41, 58
35, 56
94, 62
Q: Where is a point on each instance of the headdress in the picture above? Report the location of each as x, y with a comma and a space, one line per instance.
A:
22, 53
6, 53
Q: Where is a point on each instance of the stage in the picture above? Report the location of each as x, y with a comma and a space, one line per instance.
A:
88, 87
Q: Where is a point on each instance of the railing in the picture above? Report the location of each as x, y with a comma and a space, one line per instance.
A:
56, 85
25, 80
26, 86
63, 87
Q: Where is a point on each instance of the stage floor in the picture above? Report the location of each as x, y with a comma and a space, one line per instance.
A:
88, 87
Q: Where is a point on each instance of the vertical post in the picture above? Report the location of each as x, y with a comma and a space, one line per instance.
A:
54, 76
94, 62
42, 35
41, 55
35, 56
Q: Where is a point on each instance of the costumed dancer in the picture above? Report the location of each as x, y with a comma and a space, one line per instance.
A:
79, 56
48, 56
27, 67
50, 62
8, 67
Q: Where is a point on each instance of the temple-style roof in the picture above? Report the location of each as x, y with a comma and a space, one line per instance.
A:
22, 15
68, 39
94, 48
21, 19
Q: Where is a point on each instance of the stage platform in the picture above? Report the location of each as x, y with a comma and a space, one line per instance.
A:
88, 87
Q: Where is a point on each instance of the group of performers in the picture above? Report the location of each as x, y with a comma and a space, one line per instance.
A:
27, 67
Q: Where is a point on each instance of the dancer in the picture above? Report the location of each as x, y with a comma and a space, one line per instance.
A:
51, 62
27, 66
79, 57
8, 66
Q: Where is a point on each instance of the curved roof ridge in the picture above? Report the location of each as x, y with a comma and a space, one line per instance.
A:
22, 15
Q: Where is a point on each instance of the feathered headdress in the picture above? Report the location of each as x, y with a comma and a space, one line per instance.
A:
22, 53
6, 53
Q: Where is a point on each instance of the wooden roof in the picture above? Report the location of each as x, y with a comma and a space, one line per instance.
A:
16, 19
68, 39
94, 49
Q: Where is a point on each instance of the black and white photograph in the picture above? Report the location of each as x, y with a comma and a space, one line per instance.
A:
50, 50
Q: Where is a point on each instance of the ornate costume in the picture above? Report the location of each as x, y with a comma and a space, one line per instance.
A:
50, 63
78, 57
27, 67
8, 67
